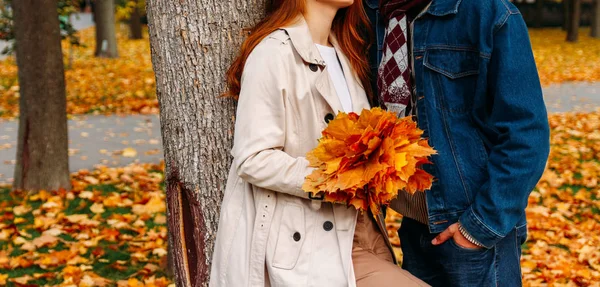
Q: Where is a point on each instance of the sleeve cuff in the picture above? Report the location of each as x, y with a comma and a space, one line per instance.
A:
479, 230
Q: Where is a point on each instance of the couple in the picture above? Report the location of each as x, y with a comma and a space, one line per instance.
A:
463, 69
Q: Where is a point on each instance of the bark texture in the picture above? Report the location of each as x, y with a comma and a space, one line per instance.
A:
574, 20
595, 31
135, 22
106, 36
193, 43
42, 150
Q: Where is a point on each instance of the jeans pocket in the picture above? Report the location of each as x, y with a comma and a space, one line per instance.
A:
465, 249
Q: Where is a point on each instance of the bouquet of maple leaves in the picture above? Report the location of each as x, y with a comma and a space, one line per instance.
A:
364, 161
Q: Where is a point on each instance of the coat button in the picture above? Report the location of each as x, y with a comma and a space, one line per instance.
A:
329, 117
328, 225
313, 67
297, 236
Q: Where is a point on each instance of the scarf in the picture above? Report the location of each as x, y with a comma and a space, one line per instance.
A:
394, 79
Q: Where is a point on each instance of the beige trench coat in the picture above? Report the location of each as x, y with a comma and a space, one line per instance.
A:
270, 232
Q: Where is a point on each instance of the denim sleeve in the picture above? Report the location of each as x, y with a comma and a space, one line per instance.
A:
518, 117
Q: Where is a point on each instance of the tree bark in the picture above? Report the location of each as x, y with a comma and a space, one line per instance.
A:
135, 23
595, 31
106, 36
539, 14
42, 149
193, 44
574, 19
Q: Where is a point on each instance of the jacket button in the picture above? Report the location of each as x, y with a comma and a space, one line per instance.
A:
297, 236
329, 117
328, 225
313, 67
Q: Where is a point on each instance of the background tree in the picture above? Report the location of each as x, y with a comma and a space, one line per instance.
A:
574, 20
192, 44
132, 11
595, 31
539, 14
42, 150
135, 21
106, 36
65, 9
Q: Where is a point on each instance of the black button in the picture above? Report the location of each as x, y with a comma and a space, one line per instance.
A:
313, 67
328, 225
329, 117
297, 236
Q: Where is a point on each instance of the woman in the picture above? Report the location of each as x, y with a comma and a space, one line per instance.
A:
300, 66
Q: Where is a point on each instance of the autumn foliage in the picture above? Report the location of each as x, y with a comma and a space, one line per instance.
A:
365, 160
110, 230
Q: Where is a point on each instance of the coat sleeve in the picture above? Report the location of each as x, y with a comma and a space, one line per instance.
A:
260, 126
518, 115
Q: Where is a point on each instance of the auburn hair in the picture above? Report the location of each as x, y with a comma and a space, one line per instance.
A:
350, 27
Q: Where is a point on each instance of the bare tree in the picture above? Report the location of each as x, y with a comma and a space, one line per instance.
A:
574, 20
42, 150
193, 43
106, 36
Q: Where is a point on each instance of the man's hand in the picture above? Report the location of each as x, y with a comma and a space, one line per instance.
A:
452, 232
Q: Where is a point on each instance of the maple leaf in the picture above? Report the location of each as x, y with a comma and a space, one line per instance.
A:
363, 161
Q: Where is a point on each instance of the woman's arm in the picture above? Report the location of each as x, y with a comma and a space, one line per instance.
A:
260, 125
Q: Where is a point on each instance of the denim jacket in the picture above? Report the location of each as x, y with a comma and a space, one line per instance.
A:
480, 103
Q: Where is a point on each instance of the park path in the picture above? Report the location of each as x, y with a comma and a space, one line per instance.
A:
120, 140
94, 140
79, 20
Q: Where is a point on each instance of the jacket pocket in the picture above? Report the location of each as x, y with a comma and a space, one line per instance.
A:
452, 77
290, 238
454, 63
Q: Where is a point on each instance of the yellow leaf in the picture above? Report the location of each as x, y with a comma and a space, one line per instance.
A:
129, 152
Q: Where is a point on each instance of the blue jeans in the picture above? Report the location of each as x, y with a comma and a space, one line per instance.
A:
452, 265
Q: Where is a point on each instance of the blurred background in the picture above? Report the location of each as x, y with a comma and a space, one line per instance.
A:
103, 222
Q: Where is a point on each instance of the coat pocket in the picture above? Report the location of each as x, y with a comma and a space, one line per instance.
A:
290, 238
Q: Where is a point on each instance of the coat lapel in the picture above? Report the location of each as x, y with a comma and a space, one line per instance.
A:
357, 93
306, 48
326, 89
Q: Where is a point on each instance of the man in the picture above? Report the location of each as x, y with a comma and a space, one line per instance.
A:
465, 70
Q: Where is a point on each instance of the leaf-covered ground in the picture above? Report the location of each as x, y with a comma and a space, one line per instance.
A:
109, 230
126, 85
563, 248
95, 85
559, 61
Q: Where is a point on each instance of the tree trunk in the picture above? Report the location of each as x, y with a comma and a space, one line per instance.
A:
135, 22
566, 14
595, 32
539, 14
42, 149
574, 19
193, 44
106, 37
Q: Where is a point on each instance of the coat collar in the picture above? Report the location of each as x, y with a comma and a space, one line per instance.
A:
443, 7
305, 47
303, 42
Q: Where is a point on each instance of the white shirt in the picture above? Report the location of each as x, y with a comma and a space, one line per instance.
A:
337, 76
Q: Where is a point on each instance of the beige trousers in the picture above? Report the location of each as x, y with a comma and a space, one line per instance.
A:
372, 260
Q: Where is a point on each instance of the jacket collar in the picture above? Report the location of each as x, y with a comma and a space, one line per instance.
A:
443, 7
303, 42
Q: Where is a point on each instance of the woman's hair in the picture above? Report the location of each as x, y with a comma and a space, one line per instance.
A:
349, 26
